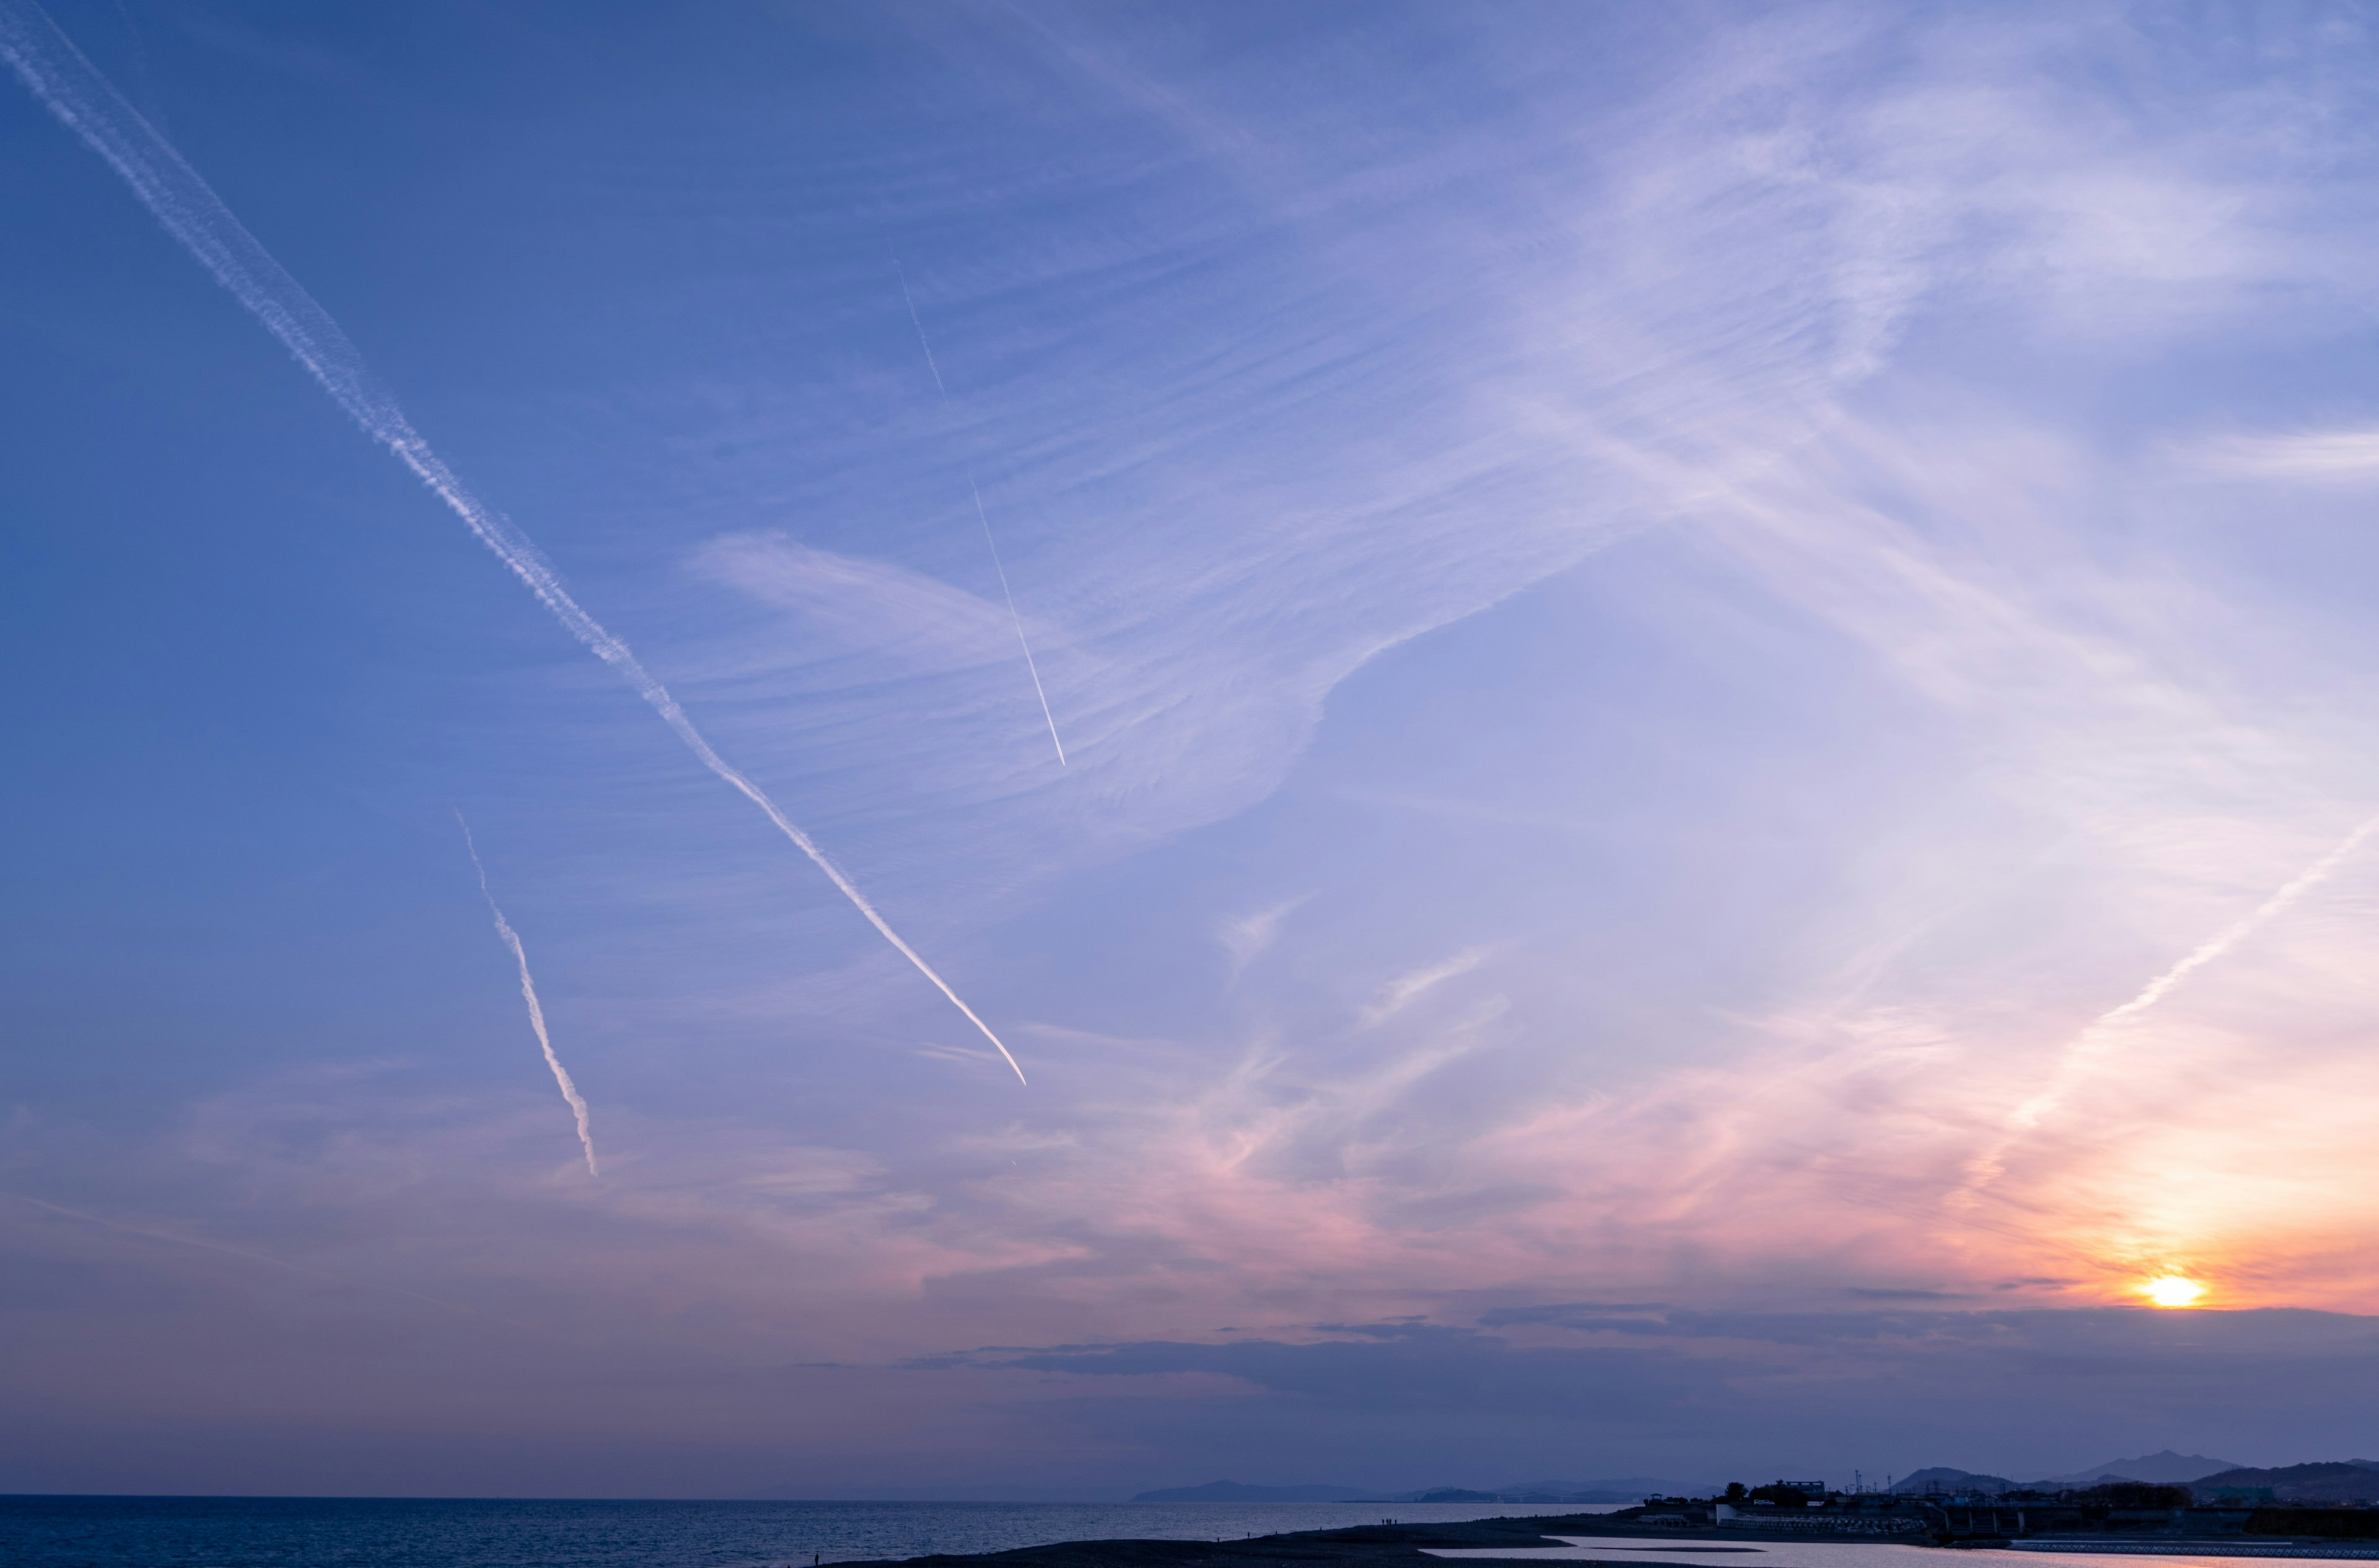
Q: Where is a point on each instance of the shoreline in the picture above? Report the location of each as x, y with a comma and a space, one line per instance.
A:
1358, 1546
1413, 1545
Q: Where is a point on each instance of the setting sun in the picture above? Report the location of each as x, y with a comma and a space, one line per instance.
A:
2173, 1290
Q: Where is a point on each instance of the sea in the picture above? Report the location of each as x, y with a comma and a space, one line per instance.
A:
247, 1532
229, 1532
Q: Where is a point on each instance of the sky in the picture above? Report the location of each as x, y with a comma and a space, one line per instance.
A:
1713, 666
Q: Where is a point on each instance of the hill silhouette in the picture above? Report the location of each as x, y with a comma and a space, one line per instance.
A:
2340, 1480
1240, 1491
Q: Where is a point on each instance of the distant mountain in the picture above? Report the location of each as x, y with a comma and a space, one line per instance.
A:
1610, 1488
2164, 1466
1447, 1494
2343, 1480
1940, 1477
1621, 1489
1240, 1492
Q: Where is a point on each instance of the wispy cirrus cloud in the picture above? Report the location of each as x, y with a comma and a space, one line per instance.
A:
87, 104
1404, 989
2307, 456
1244, 938
2061, 766
1700, 574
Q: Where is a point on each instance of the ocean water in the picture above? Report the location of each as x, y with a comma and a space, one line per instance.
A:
238, 1532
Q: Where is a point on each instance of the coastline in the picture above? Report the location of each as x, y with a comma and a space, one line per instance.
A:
1558, 1538
1360, 1546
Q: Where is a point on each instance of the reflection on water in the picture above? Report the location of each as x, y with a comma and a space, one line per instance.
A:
1673, 1553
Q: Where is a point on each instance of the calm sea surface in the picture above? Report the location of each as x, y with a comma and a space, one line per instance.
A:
225, 1532
218, 1532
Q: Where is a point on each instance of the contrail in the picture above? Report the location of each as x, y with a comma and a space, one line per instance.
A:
73, 90
981, 516
528, 993
2093, 1040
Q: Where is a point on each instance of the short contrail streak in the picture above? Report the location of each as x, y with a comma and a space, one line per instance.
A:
528, 993
73, 90
2092, 1041
985, 518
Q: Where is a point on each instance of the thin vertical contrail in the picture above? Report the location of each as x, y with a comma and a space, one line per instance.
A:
84, 101
2091, 1042
981, 516
528, 993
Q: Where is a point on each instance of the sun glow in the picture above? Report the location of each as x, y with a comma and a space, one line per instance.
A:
2173, 1290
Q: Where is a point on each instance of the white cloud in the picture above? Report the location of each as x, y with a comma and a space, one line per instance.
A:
2349, 455
1246, 936
1406, 989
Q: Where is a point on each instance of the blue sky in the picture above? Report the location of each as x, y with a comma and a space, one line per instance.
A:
1709, 656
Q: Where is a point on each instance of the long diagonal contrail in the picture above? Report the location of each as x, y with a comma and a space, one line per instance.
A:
2093, 1041
89, 105
982, 517
528, 993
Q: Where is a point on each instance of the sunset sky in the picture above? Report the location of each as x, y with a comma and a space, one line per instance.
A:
1720, 715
